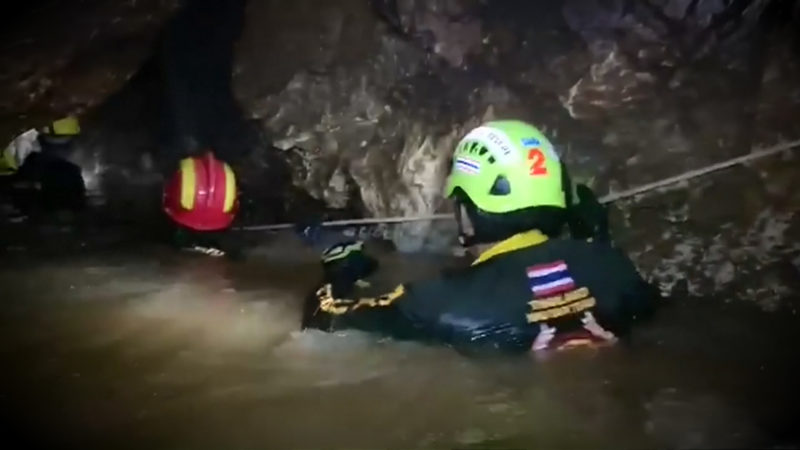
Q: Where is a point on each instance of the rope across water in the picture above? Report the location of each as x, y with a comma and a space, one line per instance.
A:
608, 198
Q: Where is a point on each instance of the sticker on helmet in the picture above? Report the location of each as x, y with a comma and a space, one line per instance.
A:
497, 142
538, 162
531, 142
467, 165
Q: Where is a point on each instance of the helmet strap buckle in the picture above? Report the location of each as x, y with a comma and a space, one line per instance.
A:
462, 221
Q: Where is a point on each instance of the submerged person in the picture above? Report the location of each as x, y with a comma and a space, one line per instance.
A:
528, 289
201, 201
36, 173
60, 135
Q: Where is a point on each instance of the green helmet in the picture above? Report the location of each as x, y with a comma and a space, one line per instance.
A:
505, 166
67, 126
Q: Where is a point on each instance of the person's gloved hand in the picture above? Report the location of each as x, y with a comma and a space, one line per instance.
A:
345, 265
588, 218
308, 231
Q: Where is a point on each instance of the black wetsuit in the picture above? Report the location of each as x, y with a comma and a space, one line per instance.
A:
503, 300
48, 182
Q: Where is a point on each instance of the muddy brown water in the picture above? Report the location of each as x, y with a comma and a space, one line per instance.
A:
141, 347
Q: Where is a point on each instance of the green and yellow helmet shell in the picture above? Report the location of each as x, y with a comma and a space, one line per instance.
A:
67, 126
504, 166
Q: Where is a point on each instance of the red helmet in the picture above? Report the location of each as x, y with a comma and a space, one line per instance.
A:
202, 194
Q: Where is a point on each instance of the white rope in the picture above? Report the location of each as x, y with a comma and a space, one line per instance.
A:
758, 154
611, 197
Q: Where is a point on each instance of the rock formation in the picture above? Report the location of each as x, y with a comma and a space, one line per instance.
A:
363, 102
62, 57
630, 91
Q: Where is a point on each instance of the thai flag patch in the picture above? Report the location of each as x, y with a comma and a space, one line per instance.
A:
469, 166
550, 279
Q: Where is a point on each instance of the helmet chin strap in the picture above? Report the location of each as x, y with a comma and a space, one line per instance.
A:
462, 220
465, 241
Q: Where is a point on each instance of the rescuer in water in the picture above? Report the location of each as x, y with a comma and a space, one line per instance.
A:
201, 200
527, 289
36, 174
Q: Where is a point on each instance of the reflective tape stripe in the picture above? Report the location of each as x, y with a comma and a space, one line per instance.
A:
555, 313
188, 183
339, 306
340, 251
230, 189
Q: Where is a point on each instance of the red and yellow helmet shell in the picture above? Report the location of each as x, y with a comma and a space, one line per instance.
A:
202, 194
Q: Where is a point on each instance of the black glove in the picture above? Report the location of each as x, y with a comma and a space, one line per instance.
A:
588, 218
309, 231
344, 264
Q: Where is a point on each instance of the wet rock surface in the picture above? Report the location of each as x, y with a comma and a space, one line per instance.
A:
66, 57
369, 131
178, 104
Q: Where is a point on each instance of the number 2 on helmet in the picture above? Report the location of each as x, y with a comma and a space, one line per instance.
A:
538, 161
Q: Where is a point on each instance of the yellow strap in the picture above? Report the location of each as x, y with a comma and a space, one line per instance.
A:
230, 188
188, 183
339, 306
516, 242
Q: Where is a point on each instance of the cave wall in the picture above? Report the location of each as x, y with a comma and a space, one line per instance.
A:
367, 110
179, 103
361, 103
67, 57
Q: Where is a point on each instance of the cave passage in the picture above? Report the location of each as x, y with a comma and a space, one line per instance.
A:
196, 63
113, 335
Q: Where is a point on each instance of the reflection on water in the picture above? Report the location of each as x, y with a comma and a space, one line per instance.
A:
157, 350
